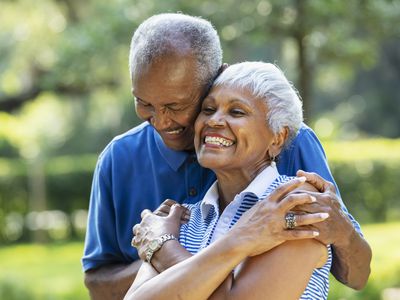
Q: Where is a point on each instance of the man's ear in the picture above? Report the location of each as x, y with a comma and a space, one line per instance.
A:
277, 144
222, 68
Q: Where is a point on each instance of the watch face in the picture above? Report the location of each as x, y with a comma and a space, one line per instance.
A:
153, 245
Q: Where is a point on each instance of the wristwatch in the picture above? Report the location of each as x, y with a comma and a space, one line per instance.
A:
156, 245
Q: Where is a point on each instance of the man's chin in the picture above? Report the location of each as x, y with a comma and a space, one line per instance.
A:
178, 145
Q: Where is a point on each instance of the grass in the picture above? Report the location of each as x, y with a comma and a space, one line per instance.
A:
42, 271
54, 271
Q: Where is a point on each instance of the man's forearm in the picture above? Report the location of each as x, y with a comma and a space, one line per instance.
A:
111, 281
351, 261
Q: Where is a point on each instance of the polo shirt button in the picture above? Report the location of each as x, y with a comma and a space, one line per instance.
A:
225, 219
192, 192
192, 159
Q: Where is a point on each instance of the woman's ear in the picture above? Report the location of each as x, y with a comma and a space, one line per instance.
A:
277, 144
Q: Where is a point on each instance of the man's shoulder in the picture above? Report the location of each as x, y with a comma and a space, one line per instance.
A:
306, 140
130, 140
305, 133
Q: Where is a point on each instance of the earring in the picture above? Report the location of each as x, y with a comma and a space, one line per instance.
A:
273, 162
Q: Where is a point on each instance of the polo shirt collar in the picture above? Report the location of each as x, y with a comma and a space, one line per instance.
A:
174, 158
262, 181
210, 200
256, 187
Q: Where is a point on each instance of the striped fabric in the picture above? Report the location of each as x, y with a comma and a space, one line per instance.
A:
198, 234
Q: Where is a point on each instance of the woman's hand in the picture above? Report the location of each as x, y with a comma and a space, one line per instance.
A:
166, 219
264, 227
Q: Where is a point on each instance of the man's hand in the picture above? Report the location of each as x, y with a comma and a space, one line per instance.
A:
165, 219
337, 229
351, 253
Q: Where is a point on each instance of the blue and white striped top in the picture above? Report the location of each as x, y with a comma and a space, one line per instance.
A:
206, 225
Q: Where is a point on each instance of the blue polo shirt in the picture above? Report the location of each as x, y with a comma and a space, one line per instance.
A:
137, 171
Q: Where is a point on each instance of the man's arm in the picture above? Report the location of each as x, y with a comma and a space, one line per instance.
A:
351, 252
107, 274
111, 281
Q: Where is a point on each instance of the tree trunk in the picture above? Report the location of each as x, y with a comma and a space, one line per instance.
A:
304, 83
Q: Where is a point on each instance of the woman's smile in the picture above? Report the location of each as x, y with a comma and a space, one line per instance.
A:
231, 130
214, 140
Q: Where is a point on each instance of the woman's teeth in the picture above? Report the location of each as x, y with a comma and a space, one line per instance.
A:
218, 141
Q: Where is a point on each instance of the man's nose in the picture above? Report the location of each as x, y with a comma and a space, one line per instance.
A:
160, 120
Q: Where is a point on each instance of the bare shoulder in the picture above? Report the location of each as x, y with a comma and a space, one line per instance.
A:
307, 249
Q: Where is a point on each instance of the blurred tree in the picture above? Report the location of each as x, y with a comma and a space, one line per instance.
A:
74, 48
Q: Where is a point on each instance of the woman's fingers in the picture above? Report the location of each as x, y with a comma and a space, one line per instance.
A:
281, 191
308, 219
176, 212
145, 212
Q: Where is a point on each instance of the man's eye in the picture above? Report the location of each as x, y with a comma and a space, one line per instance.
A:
142, 103
174, 108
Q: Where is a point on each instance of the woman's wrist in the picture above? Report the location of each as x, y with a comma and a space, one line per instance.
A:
170, 254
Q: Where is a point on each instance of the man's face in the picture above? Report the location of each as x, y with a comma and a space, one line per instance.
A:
168, 95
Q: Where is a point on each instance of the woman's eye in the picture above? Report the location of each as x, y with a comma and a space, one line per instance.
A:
238, 112
208, 110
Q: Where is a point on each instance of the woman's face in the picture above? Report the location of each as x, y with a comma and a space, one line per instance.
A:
231, 131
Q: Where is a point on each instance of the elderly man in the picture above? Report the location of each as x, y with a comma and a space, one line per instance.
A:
174, 58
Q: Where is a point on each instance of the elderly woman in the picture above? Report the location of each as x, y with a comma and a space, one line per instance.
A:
242, 242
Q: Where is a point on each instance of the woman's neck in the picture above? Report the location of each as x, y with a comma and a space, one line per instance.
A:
231, 183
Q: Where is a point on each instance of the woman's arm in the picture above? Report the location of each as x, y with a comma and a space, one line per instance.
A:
195, 278
213, 265
281, 273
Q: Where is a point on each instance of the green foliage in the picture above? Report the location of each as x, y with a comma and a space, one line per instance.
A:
385, 265
54, 272
366, 172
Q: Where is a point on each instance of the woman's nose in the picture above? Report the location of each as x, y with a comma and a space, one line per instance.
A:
216, 120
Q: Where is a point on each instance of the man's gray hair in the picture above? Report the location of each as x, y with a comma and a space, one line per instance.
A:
267, 82
170, 33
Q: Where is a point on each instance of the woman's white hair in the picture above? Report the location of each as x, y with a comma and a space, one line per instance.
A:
267, 82
169, 33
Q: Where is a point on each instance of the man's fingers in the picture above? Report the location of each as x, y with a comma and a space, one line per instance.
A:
176, 211
300, 234
317, 181
293, 200
282, 190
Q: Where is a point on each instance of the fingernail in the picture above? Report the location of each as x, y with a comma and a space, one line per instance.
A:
324, 215
315, 233
313, 199
302, 179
